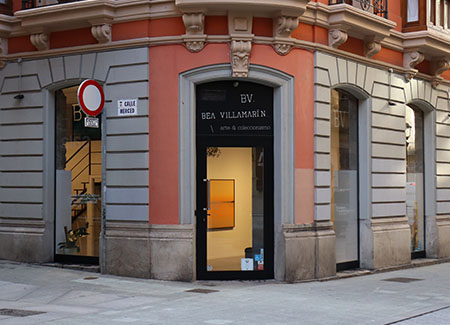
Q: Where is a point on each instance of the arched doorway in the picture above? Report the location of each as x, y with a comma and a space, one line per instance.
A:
78, 170
344, 158
235, 213
415, 185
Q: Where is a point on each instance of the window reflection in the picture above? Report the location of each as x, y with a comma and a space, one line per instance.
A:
77, 179
414, 176
344, 174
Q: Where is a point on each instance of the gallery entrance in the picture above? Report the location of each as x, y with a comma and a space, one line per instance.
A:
234, 180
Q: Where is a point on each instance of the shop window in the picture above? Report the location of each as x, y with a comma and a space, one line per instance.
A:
344, 175
78, 164
415, 176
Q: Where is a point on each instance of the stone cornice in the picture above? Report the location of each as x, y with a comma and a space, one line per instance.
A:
66, 16
429, 42
269, 8
168, 40
8, 24
347, 20
73, 15
433, 44
359, 23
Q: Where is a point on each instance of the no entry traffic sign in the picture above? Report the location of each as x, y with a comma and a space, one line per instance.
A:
90, 97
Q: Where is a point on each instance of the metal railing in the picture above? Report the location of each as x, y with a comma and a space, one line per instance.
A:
377, 7
438, 13
28, 4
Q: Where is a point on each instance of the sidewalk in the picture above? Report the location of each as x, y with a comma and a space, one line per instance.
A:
410, 296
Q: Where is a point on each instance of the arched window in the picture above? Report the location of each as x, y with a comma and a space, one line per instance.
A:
344, 177
415, 206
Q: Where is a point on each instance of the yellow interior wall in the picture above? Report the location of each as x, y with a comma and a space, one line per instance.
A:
334, 143
233, 163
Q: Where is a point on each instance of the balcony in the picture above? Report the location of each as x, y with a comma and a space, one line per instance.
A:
426, 31
361, 19
424, 14
376, 7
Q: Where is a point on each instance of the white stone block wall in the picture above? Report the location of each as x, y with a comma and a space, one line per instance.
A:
385, 161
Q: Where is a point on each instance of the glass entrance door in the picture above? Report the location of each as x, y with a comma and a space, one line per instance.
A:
235, 212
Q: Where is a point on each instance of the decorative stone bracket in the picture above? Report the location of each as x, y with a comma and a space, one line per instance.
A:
240, 29
240, 54
438, 67
410, 60
346, 20
195, 37
371, 47
337, 37
40, 41
282, 31
102, 33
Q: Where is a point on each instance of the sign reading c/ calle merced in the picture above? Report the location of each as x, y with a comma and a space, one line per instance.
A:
126, 107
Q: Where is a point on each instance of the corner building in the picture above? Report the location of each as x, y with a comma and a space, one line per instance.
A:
285, 139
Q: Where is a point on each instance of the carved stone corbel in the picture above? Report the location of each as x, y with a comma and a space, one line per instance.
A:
337, 37
102, 33
240, 54
371, 48
438, 67
410, 60
195, 37
282, 31
40, 41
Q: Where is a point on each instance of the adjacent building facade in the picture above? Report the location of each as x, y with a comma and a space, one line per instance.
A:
285, 139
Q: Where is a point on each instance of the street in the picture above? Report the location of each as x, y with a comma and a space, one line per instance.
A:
31, 294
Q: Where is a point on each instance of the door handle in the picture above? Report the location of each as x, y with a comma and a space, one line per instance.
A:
208, 195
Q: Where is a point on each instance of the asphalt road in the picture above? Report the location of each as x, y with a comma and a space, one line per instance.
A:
33, 294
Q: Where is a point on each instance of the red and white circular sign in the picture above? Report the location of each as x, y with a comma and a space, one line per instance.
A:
90, 97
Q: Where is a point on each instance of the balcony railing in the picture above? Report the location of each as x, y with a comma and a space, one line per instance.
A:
438, 15
422, 14
377, 7
28, 4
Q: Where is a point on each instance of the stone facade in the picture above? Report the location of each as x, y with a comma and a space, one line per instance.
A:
157, 53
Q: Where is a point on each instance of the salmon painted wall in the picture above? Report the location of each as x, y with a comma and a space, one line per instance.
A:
395, 13
165, 65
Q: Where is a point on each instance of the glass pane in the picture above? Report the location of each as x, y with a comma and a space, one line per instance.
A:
222, 204
413, 10
344, 175
235, 228
414, 177
78, 179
